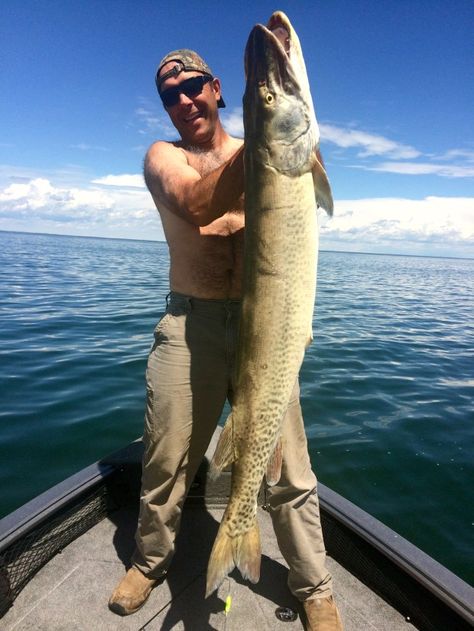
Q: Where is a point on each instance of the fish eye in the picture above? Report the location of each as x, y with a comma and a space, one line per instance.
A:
269, 98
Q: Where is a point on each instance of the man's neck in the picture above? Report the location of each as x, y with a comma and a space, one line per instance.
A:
215, 144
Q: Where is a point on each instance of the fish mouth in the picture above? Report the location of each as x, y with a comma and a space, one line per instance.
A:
266, 56
278, 18
280, 26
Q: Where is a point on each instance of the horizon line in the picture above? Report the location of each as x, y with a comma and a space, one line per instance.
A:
80, 236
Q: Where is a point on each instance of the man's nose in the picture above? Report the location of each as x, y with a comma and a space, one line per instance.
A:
184, 100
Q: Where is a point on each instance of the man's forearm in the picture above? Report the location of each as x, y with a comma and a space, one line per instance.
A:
217, 192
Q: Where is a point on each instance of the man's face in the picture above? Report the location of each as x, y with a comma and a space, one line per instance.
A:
194, 117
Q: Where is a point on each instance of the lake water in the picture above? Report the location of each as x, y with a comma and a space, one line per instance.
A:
387, 386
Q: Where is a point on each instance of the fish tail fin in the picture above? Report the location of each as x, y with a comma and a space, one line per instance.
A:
250, 554
273, 473
221, 561
242, 551
224, 453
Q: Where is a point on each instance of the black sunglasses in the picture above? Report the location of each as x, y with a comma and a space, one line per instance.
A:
190, 88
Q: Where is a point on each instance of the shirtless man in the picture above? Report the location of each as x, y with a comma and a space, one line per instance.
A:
197, 184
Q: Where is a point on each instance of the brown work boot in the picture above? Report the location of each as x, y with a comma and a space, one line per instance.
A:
322, 615
131, 593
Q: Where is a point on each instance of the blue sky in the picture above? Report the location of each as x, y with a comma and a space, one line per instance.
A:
391, 81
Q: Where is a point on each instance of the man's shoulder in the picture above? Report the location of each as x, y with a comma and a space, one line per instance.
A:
165, 147
162, 152
237, 142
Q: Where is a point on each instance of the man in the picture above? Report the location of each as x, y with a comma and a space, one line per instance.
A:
197, 184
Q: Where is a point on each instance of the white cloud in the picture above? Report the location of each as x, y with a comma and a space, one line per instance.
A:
423, 168
466, 154
39, 196
369, 144
433, 220
153, 121
433, 225
233, 122
400, 158
66, 176
39, 205
85, 147
126, 180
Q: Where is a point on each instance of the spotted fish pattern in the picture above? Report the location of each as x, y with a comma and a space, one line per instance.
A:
282, 175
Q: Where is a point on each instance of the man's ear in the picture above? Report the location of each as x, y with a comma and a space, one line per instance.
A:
216, 86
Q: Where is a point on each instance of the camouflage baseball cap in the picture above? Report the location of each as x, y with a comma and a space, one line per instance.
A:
186, 60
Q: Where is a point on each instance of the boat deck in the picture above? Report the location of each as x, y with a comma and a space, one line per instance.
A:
71, 591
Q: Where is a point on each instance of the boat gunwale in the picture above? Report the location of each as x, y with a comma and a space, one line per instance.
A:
435, 577
441, 583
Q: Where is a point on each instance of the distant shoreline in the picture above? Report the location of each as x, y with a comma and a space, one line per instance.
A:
80, 236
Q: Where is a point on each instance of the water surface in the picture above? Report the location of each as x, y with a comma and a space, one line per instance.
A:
387, 386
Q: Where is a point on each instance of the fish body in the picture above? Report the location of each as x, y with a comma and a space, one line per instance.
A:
280, 262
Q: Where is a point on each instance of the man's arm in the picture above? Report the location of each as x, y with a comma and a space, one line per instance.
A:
180, 188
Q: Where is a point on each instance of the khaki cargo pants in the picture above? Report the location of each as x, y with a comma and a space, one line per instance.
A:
189, 378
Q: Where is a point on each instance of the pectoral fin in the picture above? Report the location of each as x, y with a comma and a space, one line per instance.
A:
322, 188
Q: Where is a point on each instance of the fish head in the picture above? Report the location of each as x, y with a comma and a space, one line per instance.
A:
278, 115
281, 26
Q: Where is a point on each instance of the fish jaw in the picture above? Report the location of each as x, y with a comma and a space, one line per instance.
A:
304, 150
277, 120
279, 22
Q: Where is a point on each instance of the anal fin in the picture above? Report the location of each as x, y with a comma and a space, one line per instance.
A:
224, 454
273, 473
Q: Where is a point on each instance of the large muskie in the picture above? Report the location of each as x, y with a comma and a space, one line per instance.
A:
284, 181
